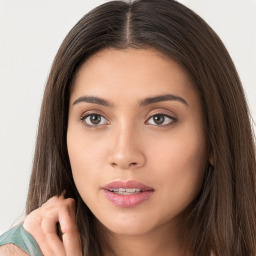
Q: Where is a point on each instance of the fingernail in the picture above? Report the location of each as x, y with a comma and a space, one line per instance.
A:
62, 226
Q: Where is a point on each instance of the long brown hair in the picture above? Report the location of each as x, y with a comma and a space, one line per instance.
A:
222, 219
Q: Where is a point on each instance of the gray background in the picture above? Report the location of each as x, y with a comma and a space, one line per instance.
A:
30, 34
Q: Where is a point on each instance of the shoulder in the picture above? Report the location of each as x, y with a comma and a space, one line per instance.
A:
17, 241
11, 249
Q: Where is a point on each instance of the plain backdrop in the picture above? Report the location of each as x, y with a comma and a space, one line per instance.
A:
31, 32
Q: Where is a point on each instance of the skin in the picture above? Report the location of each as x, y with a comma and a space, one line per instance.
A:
41, 224
162, 145
127, 144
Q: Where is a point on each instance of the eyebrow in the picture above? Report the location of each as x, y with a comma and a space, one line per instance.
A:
145, 102
165, 97
94, 100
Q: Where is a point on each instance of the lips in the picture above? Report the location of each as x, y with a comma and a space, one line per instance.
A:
127, 193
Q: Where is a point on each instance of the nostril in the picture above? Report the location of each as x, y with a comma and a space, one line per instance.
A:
129, 165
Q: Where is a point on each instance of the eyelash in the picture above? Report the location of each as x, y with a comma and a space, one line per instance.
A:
84, 117
172, 119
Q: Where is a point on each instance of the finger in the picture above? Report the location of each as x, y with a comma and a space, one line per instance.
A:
32, 224
41, 224
49, 228
71, 236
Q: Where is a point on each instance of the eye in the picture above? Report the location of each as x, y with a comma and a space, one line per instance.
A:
161, 120
94, 120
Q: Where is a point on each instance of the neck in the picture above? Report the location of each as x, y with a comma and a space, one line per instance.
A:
162, 241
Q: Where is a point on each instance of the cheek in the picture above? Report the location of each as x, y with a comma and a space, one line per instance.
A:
180, 151
85, 150
180, 163
182, 166
86, 158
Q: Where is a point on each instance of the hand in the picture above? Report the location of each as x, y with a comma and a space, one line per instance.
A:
42, 225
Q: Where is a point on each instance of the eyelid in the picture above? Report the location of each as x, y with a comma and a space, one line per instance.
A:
93, 112
163, 113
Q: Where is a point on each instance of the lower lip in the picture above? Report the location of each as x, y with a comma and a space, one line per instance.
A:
127, 200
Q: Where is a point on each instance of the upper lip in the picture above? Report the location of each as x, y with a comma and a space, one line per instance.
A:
127, 184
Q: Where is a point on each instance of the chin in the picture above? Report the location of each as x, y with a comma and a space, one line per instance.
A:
129, 226
130, 230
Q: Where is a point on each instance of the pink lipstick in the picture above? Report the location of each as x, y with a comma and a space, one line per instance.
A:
127, 193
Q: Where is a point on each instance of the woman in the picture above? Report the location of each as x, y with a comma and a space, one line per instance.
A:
144, 144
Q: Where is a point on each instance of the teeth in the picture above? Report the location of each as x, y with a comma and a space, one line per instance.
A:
114, 190
131, 190
126, 191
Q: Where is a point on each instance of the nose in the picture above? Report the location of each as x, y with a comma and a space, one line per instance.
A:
126, 150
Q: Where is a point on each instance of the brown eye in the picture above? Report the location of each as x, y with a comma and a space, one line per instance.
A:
158, 119
161, 120
94, 120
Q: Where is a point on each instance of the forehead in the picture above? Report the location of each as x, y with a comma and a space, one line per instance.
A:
134, 72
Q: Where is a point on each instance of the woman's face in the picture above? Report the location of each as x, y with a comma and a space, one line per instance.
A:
136, 139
